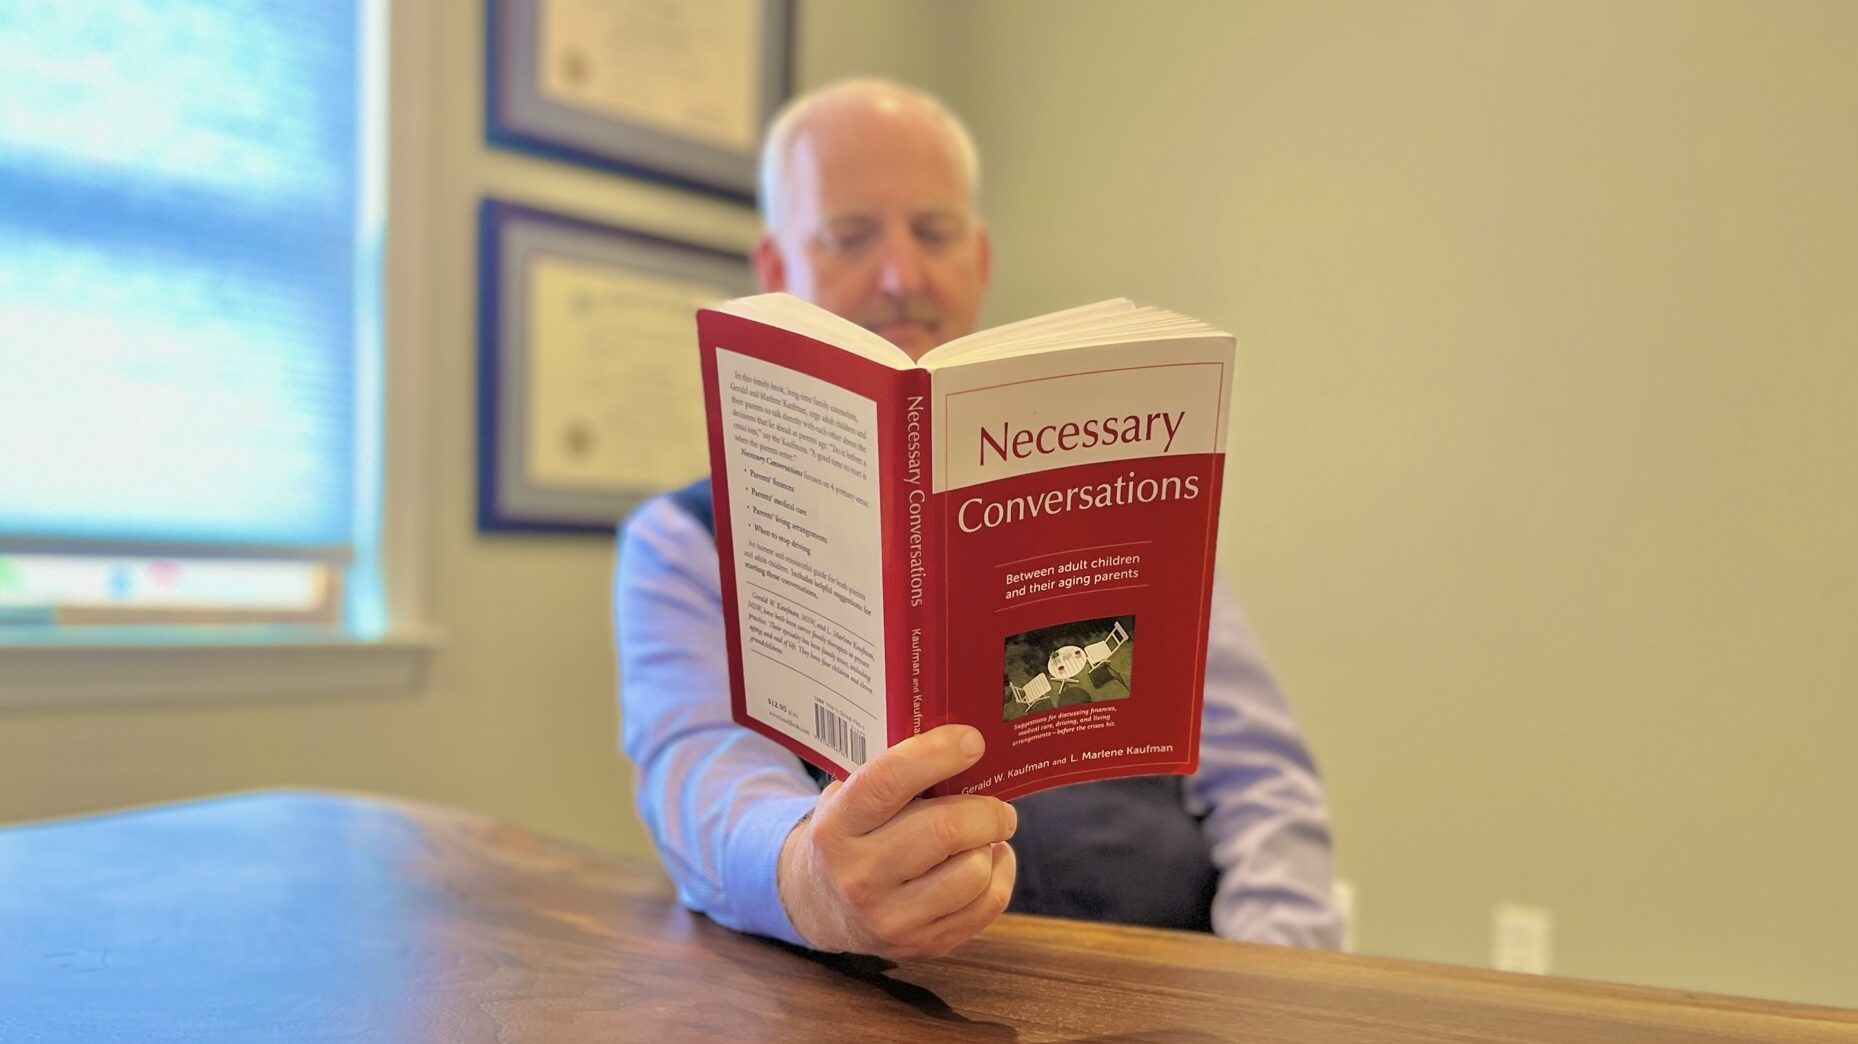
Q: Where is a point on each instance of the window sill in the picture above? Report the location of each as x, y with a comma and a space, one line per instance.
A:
76, 675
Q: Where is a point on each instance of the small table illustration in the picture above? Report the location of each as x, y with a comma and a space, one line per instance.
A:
1065, 664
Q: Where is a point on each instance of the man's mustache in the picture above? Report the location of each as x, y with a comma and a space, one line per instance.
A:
901, 310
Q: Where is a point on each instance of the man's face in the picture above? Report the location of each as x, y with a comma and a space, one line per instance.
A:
877, 226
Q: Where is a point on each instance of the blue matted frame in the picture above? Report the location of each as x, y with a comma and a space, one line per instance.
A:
519, 118
508, 235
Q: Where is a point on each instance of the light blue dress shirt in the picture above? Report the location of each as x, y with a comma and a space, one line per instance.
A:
719, 800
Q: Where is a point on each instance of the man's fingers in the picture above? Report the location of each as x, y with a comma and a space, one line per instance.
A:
950, 887
882, 786
926, 833
941, 936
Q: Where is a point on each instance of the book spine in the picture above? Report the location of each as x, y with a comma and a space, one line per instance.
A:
918, 640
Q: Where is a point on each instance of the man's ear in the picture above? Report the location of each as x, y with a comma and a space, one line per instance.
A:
769, 270
987, 257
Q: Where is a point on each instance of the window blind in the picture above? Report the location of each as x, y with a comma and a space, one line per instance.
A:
188, 276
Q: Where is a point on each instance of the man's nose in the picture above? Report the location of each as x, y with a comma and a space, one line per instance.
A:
900, 267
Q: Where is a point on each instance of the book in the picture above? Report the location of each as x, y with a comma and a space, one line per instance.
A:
1015, 532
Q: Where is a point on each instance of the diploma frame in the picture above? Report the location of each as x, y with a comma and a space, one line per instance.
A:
511, 239
519, 114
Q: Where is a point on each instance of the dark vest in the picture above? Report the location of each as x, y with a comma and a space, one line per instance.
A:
1122, 850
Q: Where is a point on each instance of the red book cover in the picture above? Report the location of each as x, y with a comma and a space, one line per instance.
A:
1021, 541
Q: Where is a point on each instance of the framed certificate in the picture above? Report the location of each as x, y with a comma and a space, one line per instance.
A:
674, 90
589, 393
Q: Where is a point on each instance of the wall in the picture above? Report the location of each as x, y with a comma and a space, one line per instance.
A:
1542, 485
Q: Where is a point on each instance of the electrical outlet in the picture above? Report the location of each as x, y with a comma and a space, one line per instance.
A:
1343, 892
1522, 938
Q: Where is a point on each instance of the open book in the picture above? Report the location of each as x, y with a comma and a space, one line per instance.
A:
1014, 533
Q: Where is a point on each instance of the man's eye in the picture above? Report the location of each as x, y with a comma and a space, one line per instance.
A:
848, 240
937, 234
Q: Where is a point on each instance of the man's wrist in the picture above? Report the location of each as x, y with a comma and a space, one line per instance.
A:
752, 875
794, 879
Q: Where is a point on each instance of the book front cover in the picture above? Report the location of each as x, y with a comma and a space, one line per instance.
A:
1077, 496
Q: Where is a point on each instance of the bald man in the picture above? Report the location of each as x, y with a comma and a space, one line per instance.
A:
868, 199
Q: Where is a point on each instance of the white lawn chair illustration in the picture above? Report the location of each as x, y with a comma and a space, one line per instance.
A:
1097, 654
1035, 690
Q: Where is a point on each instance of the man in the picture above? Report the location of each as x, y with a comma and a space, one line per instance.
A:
868, 193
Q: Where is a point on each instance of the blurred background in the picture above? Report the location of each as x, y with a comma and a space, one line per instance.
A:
1544, 474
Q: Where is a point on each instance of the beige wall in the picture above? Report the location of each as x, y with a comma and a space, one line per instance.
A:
1542, 491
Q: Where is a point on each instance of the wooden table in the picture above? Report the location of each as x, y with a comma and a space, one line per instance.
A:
289, 916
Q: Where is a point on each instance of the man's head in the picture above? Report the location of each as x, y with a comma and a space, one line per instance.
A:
867, 194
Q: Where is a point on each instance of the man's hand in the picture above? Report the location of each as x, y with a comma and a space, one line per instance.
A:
877, 870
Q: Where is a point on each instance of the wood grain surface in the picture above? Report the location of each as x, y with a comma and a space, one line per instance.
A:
293, 916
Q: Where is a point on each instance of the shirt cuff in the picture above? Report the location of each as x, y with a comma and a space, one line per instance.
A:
752, 879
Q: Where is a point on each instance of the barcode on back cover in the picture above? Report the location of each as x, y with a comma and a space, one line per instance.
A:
836, 732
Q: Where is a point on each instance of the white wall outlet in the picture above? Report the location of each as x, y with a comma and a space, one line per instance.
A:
1343, 892
1522, 938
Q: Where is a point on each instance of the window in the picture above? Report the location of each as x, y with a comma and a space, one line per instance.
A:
191, 229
